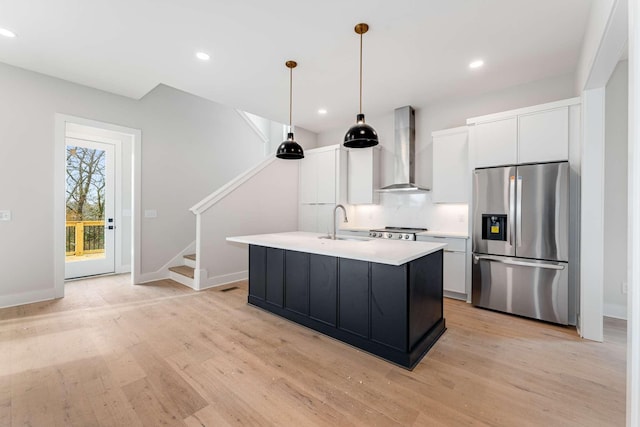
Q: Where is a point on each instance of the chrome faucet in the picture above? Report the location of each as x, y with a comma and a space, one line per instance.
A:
333, 236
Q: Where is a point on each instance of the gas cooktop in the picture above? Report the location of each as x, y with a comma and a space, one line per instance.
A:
397, 233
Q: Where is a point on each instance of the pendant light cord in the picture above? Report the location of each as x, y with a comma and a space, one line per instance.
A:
360, 73
290, 96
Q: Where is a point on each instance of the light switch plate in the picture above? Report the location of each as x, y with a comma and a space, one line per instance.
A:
150, 213
5, 215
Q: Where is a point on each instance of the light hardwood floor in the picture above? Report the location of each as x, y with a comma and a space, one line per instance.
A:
161, 354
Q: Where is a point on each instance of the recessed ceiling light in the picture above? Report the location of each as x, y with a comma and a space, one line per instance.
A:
203, 56
7, 33
322, 111
476, 64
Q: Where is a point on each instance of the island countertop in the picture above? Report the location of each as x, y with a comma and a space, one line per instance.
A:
383, 251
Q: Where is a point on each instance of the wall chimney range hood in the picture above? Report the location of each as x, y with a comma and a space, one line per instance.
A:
404, 155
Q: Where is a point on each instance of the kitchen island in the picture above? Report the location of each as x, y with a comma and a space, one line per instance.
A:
384, 297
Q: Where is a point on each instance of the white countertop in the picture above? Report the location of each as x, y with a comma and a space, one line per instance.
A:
430, 233
382, 251
436, 233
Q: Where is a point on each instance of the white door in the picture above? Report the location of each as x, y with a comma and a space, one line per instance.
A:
90, 221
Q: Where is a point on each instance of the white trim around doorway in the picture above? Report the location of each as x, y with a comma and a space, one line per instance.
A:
135, 136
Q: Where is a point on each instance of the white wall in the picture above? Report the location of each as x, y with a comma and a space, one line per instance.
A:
615, 192
190, 146
418, 210
599, 16
266, 203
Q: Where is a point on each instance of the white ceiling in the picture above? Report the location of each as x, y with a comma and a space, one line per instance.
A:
416, 51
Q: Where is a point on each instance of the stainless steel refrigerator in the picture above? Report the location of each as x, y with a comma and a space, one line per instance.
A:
521, 240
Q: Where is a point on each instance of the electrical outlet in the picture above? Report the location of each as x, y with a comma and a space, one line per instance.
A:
624, 287
5, 215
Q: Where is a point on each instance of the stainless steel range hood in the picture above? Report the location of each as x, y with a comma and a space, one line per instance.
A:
404, 146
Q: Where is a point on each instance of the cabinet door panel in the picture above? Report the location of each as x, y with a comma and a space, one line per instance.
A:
326, 176
389, 305
450, 168
425, 295
296, 282
544, 136
496, 143
454, 272
324, 218
275, 276
308, 218
354, 296
309, 178
257, 271
362, 180
323, 287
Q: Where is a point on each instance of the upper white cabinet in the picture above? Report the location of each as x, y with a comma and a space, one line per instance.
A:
543, 136
527, 135
496, 142
450, 165
363, 166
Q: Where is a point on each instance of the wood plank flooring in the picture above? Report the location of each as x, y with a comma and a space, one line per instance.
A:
112, 354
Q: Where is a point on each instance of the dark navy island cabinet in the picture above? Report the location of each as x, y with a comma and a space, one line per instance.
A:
394, 312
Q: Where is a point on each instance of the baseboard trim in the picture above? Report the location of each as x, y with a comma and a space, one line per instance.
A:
27, 297
616, 311
224, 279
152, 277
121, 269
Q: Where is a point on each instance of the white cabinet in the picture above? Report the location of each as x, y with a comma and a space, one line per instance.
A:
326, 178
318, 177
496, 143
363, 167
450, 165
543, 136
316, 218
454, 277
528, 135
322, 186
308, 179
453, 272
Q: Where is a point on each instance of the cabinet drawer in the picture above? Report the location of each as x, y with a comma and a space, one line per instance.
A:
453, 244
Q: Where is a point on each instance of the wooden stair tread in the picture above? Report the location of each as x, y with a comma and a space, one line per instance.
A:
184, 270
191, 257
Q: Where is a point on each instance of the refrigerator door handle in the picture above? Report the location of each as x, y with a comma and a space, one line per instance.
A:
512, 208
477, 258
519, 212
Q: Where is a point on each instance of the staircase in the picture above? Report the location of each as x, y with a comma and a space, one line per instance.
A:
184, 273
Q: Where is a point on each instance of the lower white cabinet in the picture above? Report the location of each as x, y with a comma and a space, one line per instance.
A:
454, 278
316, 218
453, 271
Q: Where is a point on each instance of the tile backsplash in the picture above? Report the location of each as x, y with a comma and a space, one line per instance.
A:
411, 210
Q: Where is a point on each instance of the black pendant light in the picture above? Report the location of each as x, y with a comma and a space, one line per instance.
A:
361, 135
290, 149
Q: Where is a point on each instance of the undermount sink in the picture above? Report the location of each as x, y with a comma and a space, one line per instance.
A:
351, 239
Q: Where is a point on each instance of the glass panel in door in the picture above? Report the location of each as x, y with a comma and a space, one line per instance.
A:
89, 243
